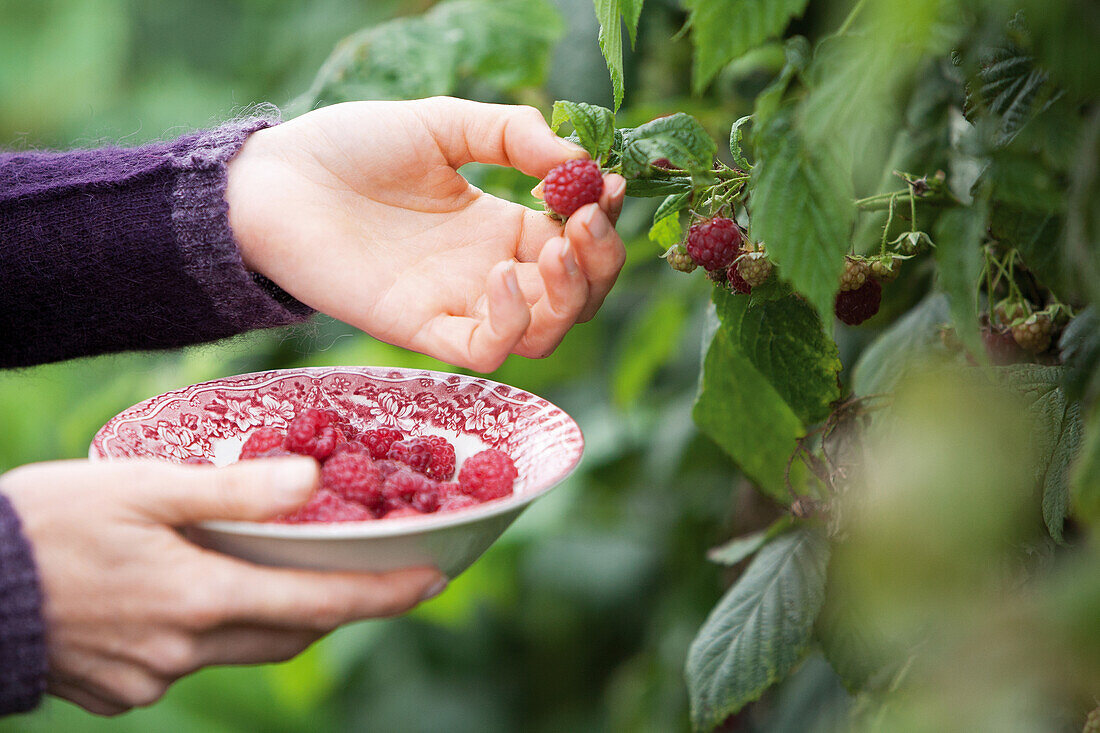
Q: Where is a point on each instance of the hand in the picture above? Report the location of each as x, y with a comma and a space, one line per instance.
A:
131, 606
359, 211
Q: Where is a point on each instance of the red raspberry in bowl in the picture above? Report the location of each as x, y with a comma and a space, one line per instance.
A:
311, 434
405, 487
328, 506
488, 475
261, 441
432, 456
353, 476
379, 440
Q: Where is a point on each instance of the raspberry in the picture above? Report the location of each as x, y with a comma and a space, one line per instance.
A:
753, 268
327, 506
261, 441
405, 487
714, 243
432, 456
856, 306
311, 434
571, 185
1007, 312
886, 268
1001, 346
387, 466
663, 163
679, 259
354, 477
487, 475
1033, 333
379, 440
737, 283
1092, 723
452, 502
854, 275
402, 511
198, 461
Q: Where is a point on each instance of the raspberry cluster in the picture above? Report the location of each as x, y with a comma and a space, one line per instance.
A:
714, 243
571, 185
381, 472
1033, 333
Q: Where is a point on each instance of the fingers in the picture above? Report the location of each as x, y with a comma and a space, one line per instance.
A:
315, 601
499, 134
92, 703
614, 191
565, 294
249, 490
600, 252
482, 343
250, 645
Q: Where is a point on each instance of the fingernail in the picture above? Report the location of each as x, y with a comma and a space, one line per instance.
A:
510, 280
537, 190
596, 223
434, 589
568, 259
292, 476
570, 146
619, 189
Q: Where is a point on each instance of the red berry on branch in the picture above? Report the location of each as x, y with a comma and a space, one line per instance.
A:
571, 185
856, 306
714, 243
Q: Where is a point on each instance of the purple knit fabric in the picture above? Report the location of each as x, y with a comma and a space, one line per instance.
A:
125, 248
22, 638
111, 250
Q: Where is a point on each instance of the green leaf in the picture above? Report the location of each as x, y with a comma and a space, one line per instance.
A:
797, 53
651, 187
608, 13
1080, 347
760, 629
502, 43
802, 210
745, 546
743, 413
649, 343
959, 259
1085, 479
884, 363
725, 29
786, 343
1013, 90
594, 125
666, 230
679, 138
735, 144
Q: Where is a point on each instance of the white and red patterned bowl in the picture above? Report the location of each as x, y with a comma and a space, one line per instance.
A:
213, 419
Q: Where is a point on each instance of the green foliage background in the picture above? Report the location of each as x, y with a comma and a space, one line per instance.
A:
583, 616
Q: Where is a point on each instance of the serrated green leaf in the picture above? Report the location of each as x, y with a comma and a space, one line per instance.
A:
760, 629
735, 144
1085, 478
667, 230
679, 138
797, 53
743, 413
1013, 90
785, 341
802, 210
884, 363
725, 29
594, 125
609, 13
740, 548
959, 258
651, 187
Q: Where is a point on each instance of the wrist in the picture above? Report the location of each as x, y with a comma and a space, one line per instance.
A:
243, 186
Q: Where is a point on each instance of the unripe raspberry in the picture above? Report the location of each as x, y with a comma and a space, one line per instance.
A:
856, 306
854, 275
754, 268
886, 268
1092, 723
679, 259
1007, 312
1033, 333
571, 185
714, 243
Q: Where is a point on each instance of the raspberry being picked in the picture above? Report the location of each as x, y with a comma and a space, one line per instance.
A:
432, 456
856, 306
1033, 333
311, 434
754, 268
855, 274
571, 185
714, 243
487, 475
679, 259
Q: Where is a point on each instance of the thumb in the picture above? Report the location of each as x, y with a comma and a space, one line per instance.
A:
249, 490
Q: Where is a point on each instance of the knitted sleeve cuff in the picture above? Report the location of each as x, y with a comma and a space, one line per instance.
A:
22, 630
200, 218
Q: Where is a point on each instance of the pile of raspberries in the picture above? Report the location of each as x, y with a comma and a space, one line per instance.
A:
381, 472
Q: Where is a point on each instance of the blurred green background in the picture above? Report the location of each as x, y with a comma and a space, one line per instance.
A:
579, 618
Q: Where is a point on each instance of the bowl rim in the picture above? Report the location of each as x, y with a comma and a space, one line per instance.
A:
399, 526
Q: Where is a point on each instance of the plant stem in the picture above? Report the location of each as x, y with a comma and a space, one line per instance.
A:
851, 17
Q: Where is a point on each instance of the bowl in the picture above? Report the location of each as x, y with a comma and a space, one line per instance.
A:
213, 419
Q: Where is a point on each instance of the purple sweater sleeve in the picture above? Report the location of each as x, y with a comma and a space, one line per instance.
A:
22, 638
126, 248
